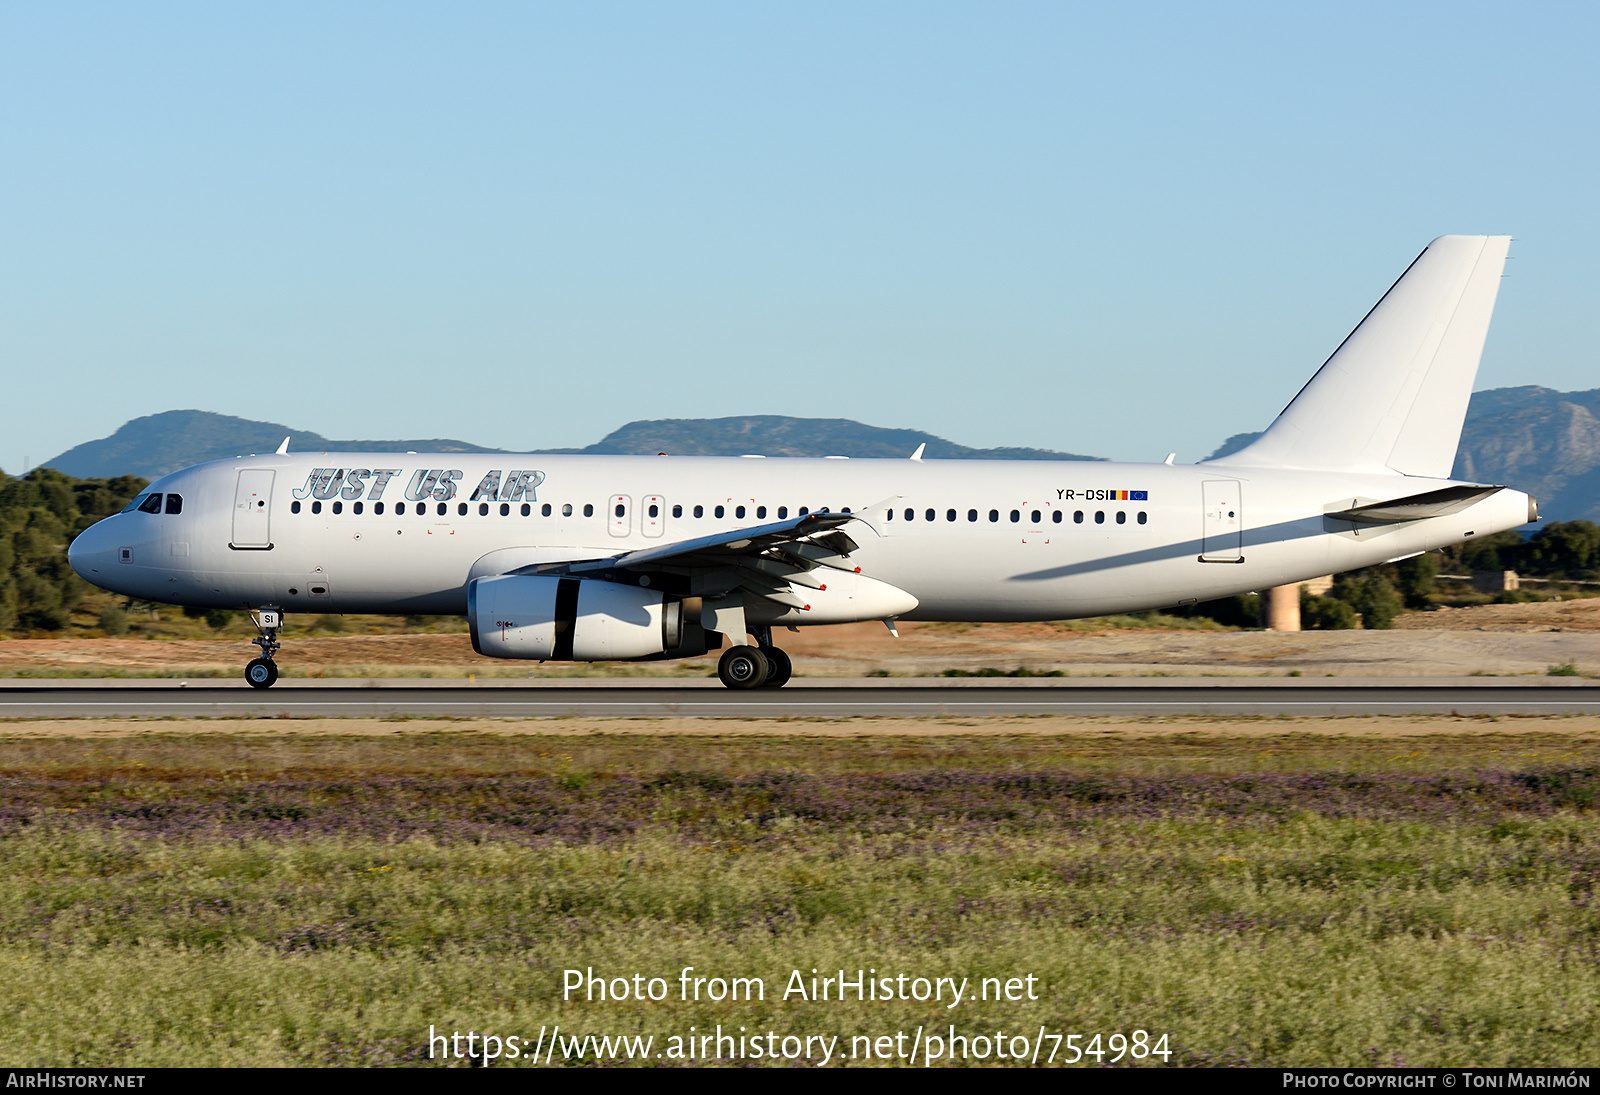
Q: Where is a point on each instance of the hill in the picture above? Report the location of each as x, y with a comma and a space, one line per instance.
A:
160, 443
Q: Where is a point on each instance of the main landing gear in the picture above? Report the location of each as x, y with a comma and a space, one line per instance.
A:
759, 666
262, 672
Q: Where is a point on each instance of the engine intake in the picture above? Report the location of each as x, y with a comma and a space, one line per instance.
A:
544, 617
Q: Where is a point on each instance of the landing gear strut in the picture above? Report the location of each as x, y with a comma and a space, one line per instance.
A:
262, 672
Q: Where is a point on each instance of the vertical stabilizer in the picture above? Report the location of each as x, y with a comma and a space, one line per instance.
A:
1394, 394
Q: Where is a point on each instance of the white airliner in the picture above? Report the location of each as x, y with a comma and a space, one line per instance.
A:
591, 558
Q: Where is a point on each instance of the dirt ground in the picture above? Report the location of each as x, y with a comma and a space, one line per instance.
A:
1493, 640
1576, 729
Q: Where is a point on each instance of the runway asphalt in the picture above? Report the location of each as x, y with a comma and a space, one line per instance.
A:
897, 697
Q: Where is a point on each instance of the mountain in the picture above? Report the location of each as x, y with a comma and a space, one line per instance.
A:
776, 435
1543, 442
1536, 440
162, 443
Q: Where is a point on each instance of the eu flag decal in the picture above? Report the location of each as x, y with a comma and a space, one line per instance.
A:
1138, 496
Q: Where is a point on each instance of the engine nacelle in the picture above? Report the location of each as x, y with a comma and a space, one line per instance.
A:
544, 617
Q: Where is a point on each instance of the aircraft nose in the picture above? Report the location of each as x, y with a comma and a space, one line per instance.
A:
92, 552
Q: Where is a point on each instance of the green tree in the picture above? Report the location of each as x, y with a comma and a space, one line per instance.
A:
1414, 579
1325, 613
1565, 549
40, 513
1372, 595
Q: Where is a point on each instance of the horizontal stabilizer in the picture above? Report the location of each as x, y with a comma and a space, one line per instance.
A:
1416, 507
1393, 396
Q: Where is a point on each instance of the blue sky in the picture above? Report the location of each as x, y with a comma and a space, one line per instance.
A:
1117, 230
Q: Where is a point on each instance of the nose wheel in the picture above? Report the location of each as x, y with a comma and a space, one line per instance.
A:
262, 672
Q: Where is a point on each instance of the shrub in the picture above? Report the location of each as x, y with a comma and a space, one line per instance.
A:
113, 621
1372, 596
1325, 613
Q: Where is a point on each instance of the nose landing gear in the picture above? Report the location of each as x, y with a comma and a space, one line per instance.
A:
262, 672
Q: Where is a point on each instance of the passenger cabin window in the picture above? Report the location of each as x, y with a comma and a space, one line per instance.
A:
544, 510
1077, 517
739, 512
1099, 516
677, 511
911, 514
294, 507
930, 515
994, 515
444, 509
1015, 517
338, 507
588, 510
377, 507
783, 512
566, 509
699, 511
316, 507
1056, 516
174, 503
526, 509
622, 511
761, 513
949, 515
1036, 517
1142, 517
400, 509
356, 508
151, 504
803, 511
972, 515
718, 512
505, 509
655, 510
1122, 518
483, 509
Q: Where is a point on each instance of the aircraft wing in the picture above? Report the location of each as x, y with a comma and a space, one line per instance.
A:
720, 549
773, 561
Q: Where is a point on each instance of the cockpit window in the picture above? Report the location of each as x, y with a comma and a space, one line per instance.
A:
150, 503
138, 502
174, 503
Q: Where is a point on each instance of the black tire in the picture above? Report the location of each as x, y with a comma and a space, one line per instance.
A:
742, 667
779, 668
261, 673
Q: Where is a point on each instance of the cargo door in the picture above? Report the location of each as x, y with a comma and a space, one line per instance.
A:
619, 520
653, 521
1222, 532
252, 510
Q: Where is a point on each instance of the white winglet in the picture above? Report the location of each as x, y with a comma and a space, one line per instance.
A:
283, 449
1171, 456
918, 454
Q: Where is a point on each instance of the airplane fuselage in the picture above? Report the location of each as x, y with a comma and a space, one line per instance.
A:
968, 540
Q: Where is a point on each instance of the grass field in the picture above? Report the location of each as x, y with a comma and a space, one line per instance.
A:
176, 897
